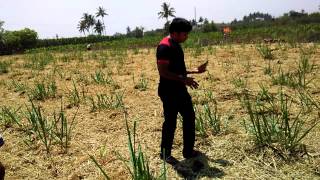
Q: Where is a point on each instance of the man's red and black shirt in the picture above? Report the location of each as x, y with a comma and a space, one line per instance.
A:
170, 52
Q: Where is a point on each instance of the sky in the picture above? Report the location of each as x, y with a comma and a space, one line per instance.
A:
61, 17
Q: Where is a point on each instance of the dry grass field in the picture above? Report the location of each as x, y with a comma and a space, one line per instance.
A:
90, 90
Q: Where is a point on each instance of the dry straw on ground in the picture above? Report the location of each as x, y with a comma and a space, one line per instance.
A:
102, 132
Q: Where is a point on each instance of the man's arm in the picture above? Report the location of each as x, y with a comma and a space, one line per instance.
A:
202, 68
193, 71
164, 72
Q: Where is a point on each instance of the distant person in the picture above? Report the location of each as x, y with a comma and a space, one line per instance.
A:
89, 47
2, 169
226, 32
173, 91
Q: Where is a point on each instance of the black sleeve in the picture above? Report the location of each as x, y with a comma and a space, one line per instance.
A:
163, 52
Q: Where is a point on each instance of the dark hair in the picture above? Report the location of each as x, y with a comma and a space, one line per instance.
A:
180, 25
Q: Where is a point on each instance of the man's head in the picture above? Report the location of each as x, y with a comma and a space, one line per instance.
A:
179, 29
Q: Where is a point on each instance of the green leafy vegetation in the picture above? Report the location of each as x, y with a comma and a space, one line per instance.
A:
4, 67
273, 123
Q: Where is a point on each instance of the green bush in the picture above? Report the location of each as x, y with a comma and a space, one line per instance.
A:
17, 41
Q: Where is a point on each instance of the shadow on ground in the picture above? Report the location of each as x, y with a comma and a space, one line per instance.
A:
198, 167
2, 171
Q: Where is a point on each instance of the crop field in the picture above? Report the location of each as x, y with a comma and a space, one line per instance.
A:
96, 114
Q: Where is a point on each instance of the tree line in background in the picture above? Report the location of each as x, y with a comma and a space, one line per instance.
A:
257, 19
254, 26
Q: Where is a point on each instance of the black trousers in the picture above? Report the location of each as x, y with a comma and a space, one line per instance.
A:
172, 105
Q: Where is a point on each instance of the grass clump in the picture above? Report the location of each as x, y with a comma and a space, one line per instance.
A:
38, 61
209, 119
142, 84
10, 116
300, 78
44, 90
100, 78
62, 128
39, 127
18, 87
139, 163
49, 131
4, 67
75, 96
274, 123
265, 51
103, 101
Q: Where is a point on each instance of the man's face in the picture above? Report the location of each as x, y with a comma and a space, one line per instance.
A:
180, 37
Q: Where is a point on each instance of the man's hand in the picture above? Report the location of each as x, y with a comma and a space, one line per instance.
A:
189, 81
203, 67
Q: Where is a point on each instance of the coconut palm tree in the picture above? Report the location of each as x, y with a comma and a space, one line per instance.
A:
101, 13
98, 28
84, 21
88, 21
82, 26
91, 21
1, 24
166, 11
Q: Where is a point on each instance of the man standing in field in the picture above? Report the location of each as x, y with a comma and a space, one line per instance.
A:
173, 91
